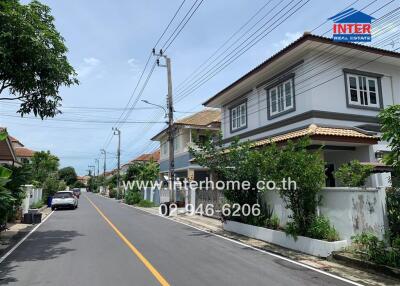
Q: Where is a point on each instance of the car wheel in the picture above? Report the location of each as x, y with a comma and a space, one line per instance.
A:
53, 208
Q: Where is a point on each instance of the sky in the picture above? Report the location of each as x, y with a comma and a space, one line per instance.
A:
109, 43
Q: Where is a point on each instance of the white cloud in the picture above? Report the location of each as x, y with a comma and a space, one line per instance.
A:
134, 65
289, 38
88, 67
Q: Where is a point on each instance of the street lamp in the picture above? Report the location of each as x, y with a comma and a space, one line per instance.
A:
118, 133
157, 105
98, 167
103, 151
94, 169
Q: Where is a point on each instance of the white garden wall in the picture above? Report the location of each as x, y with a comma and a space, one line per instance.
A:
33, 195
350, 210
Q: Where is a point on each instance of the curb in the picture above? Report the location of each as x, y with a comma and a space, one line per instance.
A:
366, 265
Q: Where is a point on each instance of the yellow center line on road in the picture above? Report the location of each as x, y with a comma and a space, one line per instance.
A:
139, 255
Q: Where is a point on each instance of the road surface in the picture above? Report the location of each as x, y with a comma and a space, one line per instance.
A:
106, 243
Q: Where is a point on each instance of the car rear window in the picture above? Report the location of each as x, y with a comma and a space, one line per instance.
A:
63, 195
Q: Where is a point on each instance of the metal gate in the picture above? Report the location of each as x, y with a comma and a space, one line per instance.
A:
210, 197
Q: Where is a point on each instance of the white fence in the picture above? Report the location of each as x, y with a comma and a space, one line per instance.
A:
159, 196
350, 210
33, 195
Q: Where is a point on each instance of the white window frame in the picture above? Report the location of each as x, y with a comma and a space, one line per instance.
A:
238, 117
164, 148
363, 92
177, 144
280, 104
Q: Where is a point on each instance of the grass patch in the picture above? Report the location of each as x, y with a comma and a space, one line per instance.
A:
146, 204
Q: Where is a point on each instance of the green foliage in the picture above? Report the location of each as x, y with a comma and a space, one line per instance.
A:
147, 171
295, 162
112, 193
393, 212
133, 197
68, 175
353, 174
112, 181
133, 172
7, 200
322, 229
33, 58
37, 205
273, 222
20, 176
390, 126
52, 185
372, 249
145, 204
79, 185
95, 183
243, 162
43, 164
240, 163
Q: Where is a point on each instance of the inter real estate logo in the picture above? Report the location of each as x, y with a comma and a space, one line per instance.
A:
351, 26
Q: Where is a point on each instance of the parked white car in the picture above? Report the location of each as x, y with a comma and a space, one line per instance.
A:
64, 199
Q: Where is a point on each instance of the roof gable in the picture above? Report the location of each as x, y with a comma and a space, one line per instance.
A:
280, 54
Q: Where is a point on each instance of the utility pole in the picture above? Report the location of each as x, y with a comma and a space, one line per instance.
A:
118, 132
94, 170
105, 161
98, 168
171, 169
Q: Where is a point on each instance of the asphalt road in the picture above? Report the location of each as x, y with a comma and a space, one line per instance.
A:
125, 246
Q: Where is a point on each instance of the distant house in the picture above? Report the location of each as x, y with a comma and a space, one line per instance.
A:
155, 156
83, 179
147, 157
7, 152
22, 153
188, 130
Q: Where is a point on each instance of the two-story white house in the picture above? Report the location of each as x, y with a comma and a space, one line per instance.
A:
331, 91
187, 131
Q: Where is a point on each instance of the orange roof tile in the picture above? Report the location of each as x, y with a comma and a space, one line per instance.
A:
317, 130
155, 156
23, 152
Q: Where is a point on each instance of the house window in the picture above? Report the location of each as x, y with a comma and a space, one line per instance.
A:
176, 143
281, 98
164, 148
239, 117
362, 90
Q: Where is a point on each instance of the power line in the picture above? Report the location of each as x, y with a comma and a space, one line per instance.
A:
169, 24
183, 26
80, 121
221, 65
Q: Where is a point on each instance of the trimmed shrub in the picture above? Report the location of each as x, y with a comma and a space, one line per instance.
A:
353, 174
370, 248
133, 197
112, 193
145, 204
393, 213
322, 229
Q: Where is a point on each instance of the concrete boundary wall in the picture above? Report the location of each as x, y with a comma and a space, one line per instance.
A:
350, 210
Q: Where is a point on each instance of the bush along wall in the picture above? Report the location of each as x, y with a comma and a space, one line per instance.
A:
243, 162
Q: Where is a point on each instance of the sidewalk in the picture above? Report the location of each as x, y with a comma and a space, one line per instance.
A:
17, 231
215, 226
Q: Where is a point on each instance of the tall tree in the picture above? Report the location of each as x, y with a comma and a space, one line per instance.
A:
68, 175
390, 121
44, 164
33, 61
